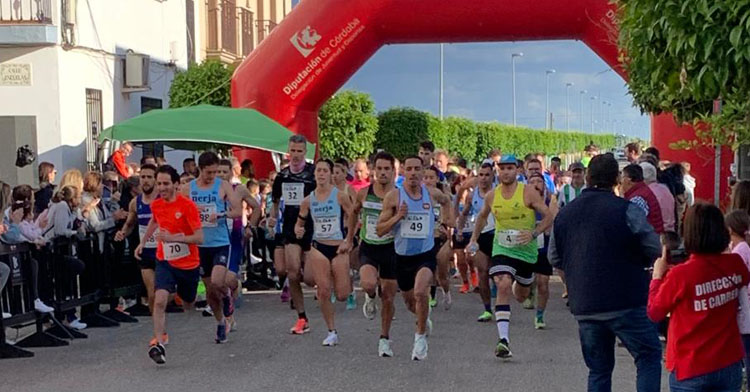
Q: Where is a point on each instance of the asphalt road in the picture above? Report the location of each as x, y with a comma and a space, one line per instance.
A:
263, 356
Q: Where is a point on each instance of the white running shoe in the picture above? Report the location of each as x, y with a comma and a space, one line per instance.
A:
40, 307
419, 353
332, 339
370, 307
447, 300
77, 324
384, 348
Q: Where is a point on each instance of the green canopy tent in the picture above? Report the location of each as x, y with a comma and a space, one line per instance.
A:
194, 127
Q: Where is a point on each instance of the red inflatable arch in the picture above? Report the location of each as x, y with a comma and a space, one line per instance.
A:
321, 43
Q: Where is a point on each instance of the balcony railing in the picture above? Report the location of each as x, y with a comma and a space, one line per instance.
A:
222, 26
25, 11
246, 33
264, 28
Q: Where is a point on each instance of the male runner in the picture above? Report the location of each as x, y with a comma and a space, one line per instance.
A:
291, 186
377, 253
514, 250
178, 261
410, 211
340, 171
139, 214
442, 247
481, 255
542, 268
213, 195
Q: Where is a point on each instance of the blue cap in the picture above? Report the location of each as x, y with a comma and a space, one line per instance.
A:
507, 159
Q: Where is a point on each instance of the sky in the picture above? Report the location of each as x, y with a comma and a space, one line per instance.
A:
478, 84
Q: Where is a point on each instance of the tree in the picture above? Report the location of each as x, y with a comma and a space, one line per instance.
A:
348, 125
400, 130
681, 55
206, 83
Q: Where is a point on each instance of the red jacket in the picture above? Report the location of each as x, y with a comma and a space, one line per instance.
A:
702, 297
654, 209
119, 161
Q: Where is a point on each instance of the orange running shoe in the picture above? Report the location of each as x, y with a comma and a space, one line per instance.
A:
464, 288
177, 300
300, 327
474, 279
164, 340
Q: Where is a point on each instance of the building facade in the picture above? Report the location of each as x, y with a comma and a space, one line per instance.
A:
71, 68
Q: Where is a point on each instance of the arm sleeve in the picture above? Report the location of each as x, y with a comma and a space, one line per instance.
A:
276, 190
552, 253
644, 232
663, 295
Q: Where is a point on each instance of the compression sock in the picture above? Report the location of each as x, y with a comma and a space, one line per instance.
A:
502, 317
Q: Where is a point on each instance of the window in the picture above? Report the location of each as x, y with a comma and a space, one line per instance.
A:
153, 149
93, 124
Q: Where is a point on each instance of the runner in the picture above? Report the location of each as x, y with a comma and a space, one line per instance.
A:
236, 234
461, 237
216, 202
569, 192
139, 214
376, 253
410, 212
178, 262
340, 171
329, 254
482, 254
291, 186
442, 247
542, 268
514, 250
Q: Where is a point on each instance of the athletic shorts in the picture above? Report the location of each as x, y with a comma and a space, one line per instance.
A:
461, 240
329, 251
382, 257
304, 243
519, 270
236, 251
212, 256
439, 242
485, 242
277, 241
175, 280
407, 268
148, 259
542, 266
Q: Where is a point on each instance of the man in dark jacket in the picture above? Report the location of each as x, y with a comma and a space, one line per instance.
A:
604, 244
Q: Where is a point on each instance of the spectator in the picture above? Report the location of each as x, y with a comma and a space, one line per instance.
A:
118, 159
738, 223
633, 152
653, 151
189, 166
741, 196
130, 190
111, 194
361, 175
604, 244
4, 274
704, 347
46, 190
99, 218
663, 196
495, 155
148, 160
247, 171
635, 190
569, 192
689, 182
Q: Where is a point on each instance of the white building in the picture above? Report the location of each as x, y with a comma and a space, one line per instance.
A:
62, 73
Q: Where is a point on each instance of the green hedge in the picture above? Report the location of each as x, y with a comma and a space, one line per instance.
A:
347, 126
401, 129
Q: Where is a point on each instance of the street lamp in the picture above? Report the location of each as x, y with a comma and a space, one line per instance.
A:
440, 108
513, 82
567, 104
580, 107
593, 101
548, 73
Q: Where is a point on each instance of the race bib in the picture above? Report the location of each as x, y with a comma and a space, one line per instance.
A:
205, 211
371, 222
293, 193
327, 226
175, 250
508, 238
149, 243
416, 226
471, 221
